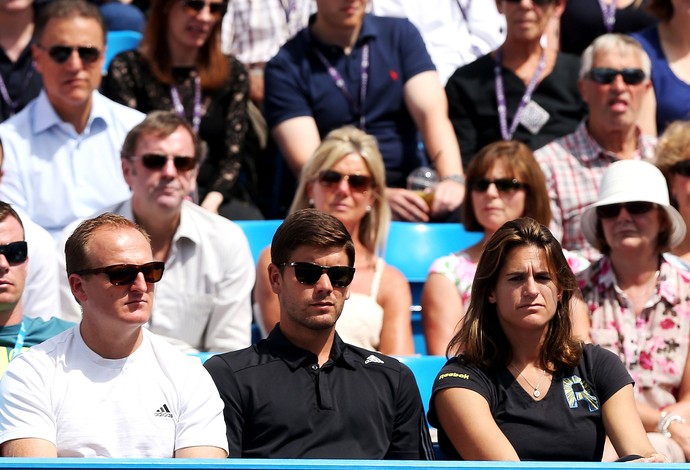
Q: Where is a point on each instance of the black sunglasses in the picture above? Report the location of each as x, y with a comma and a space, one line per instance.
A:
156, 161
195, 7
310, 273
540, 3
605, 75
635, 208
504, 185
681, 168
358, 183
124, 274
15, 252
60, 53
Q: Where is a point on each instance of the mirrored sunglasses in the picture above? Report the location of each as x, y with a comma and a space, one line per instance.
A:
358, 183
681, 168
15, 252
503, 185
610, 211
310, 273
156, 161
60, 53
605, 75
125, 274
194, 7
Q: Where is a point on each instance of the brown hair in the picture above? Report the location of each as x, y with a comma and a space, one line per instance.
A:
312, 228
66, 9
211, 64
481, 339
159, 124
673, 147
519, 163
662, 9
7, 211
77, 245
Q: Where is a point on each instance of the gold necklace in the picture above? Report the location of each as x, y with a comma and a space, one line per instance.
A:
536, 391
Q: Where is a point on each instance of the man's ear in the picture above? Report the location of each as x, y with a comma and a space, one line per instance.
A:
275, 278
77, 287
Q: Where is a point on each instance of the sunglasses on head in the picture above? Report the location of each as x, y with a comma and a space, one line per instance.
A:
310, 273
504, 185
540, 3
681, 168
156, 161
194, 7
359, 183
634, 208
60, 53
605, 75
124, 274
15, 252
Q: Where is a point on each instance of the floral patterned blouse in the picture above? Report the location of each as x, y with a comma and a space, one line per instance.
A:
654, 345
460, 269
224, 120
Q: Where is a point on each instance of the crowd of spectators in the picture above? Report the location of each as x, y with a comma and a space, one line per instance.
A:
540, 119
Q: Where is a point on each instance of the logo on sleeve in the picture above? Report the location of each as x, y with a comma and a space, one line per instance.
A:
373, 359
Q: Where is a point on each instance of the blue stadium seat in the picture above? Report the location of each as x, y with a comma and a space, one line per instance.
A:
424, 369
412, 247
259, 233
119, 41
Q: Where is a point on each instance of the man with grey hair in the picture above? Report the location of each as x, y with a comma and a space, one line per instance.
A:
614, 78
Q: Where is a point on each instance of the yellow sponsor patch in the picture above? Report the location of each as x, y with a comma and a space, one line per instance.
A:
454, 374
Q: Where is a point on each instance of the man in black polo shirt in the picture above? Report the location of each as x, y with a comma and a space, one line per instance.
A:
302, 392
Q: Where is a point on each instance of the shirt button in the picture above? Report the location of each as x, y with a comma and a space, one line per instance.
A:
314, 367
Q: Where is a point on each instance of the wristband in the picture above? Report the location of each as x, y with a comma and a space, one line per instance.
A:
666, 421
457, 178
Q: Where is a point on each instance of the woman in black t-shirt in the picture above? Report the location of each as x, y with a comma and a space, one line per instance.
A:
522, 388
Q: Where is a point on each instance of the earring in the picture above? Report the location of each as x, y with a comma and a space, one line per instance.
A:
368, 208
311, 202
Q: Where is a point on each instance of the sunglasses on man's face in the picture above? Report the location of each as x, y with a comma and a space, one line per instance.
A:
681, 168
15, 252
125, 274
539, 3
359, 183
60, 53
503, 185
610, 211
156, 161
606, 75
310, 273
194, 7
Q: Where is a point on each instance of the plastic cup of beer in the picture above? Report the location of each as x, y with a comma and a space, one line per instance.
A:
423, 182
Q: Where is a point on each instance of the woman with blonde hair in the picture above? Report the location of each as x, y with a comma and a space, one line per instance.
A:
346, 178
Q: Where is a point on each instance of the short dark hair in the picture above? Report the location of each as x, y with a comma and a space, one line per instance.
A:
312, 228
77, 245
662, 9
481, 339
159, 124
7, 211
65, 9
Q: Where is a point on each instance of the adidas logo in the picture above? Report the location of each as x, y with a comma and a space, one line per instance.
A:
163, 412
373, 359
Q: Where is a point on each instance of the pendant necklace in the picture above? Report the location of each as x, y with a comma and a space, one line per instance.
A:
536, 391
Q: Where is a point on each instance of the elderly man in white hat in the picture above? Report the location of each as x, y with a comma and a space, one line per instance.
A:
639, 302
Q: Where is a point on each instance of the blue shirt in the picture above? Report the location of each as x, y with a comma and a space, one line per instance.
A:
298, 84
56, 175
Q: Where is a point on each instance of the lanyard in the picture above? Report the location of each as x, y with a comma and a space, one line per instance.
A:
506, 133
19, 342
6, 94
609, 14
179, 109
340, 83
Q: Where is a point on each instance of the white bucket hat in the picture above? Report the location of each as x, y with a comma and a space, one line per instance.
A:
631, 181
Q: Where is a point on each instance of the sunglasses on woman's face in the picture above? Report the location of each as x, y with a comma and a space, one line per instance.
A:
606, 75
310, 273
610, 211
194, 7
359, 183
503, 185
60, 53
15, 252
681, 168
126, 274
